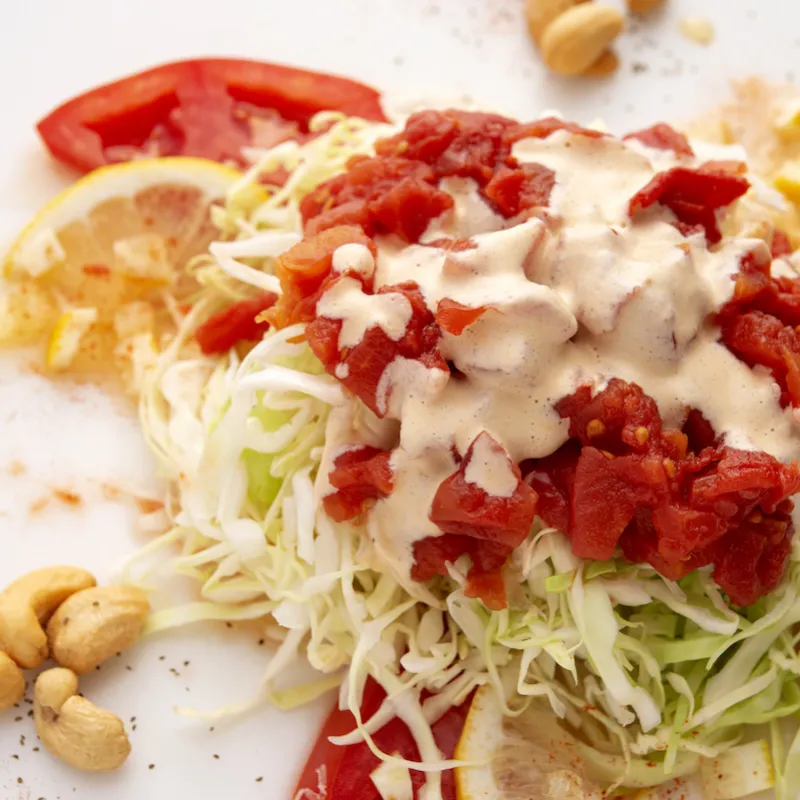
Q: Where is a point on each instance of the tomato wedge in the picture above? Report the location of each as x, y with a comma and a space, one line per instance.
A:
347, 770
207, 107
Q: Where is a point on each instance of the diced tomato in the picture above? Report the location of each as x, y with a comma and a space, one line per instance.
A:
453, 317
485, 577
605, 495
464, 508
347, 770
693, 195
677, 500
663, 137
234, 324
360, 476
542, 128
466, 144
552, 479
209, 107
365, 363
521, 188
303, 269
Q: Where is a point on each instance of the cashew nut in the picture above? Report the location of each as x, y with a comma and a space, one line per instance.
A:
27, 603
644, 6
12, 683
573, 41
73, 729
91, 626
540, 13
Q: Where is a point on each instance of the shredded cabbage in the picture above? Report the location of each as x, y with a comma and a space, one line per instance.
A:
638, 666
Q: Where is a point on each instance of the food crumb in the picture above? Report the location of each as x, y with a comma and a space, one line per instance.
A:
16, 468
259, 779
40, 504
67, 497
697, 29
151, 766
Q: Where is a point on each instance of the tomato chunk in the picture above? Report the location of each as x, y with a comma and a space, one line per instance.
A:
678, 500
663, 137
360, 476
521, 188
465, 508
208, 107
304, 268
542, 128
455, 318
360, 368
234, 324
693, 195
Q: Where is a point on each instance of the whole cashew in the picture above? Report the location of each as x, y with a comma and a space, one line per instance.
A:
12, 683
73, 729
91, 626
27, 603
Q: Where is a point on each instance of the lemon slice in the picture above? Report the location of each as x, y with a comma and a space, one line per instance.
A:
530, 756
116, 240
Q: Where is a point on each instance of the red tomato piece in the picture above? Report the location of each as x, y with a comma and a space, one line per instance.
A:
382, 195
663, 137
365, 362
628, 419
485, 577
677, 500
234, 324
521, 188
605, 496
360, 476
464, 508
348, 769
454, 317
542, 128
208, 107
552, 479
466, 144
303, 269
692, 195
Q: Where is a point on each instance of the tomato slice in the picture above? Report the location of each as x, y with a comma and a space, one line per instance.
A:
348, 769
208, 107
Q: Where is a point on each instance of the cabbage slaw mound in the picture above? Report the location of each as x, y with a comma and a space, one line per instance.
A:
639, 666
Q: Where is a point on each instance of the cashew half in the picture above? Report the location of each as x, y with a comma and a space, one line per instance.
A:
73, 729
12, 683
27, 603
91, 626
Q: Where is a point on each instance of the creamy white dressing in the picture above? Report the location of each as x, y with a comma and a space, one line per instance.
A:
353, 257
346, 301
577, 296
490, 469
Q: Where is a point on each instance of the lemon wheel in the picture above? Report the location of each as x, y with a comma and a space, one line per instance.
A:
90, 274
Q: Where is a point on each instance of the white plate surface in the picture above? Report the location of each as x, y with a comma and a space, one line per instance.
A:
79, 439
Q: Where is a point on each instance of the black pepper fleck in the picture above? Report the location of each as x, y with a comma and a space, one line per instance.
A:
216, 756
151, 766
15, 756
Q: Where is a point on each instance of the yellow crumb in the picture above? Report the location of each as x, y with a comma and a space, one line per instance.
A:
698, 29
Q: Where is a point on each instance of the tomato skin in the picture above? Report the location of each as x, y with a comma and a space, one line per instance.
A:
198, 107
348, 769
234, 324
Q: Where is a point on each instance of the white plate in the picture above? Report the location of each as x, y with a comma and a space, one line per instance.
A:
78, 439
